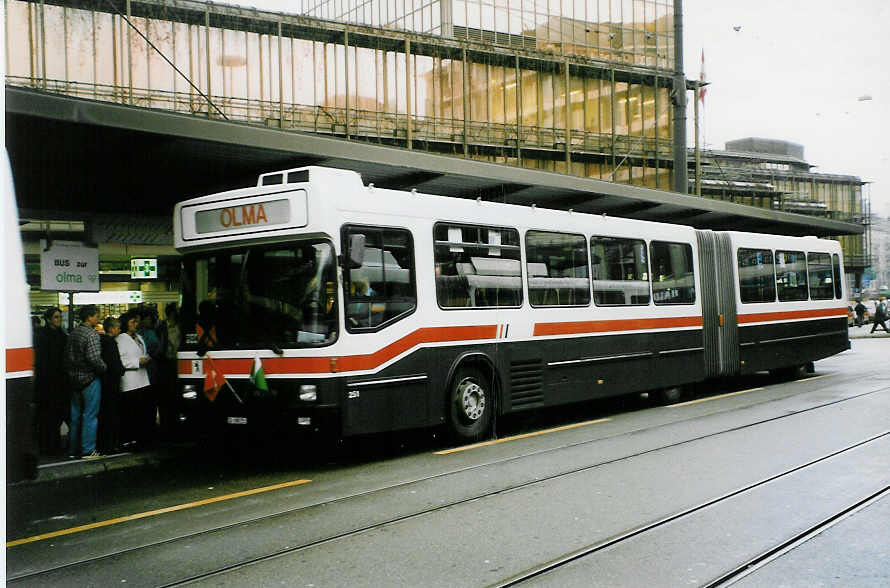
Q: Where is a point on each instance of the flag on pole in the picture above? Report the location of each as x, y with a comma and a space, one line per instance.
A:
258, 376
213, 379
701, 78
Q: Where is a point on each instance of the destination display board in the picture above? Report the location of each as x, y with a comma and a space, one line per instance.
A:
244, 215
255, 215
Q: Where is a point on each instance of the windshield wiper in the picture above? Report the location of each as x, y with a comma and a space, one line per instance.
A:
273, 346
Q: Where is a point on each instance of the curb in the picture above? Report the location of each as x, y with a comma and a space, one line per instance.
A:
81, 468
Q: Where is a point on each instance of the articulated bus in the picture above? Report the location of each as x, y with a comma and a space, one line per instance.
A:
374, 310
18, 356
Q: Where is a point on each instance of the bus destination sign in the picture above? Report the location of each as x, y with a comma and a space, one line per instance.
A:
255, 215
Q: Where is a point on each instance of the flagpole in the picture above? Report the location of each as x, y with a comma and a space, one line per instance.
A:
233, 392
697, 145
699, 139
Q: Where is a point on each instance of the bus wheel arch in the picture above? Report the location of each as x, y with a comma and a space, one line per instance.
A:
471, 398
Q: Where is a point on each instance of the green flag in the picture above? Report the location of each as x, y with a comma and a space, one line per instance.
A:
257, 376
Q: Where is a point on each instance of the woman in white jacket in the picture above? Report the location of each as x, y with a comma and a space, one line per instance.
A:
137, 416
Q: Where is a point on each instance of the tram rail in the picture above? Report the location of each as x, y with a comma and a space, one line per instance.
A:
735, 572
755, 563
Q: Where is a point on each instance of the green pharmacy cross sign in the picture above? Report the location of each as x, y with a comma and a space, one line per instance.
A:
144, 268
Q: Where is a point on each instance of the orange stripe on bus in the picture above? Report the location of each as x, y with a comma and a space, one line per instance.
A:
575, 328
791, 315
20, 359
348, 363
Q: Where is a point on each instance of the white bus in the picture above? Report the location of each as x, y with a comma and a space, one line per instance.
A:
18, 355
374, 310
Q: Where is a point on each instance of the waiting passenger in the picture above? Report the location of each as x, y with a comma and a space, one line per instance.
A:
109, 406
860, 313
137, 404
83, 357
50, 385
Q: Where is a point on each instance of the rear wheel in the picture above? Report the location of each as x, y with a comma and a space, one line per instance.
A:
793, 372
470, 404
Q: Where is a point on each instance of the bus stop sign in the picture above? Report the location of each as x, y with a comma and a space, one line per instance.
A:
69, 266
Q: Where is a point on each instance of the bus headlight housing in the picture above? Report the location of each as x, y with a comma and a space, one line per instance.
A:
190, 392
308, 392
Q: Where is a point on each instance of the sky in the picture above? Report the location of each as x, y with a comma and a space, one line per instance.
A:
800, 71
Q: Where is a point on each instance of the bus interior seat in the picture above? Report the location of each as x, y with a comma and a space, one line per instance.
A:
537, 269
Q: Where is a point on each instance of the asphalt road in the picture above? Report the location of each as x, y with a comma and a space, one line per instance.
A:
761, 483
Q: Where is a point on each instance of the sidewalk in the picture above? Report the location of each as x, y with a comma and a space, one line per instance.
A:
864, 332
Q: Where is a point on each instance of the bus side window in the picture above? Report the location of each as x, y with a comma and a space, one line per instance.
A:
820, 278
673, 279
757, 279
620, 271
556, 269
838, 277
791, 276
379, 285
477, 266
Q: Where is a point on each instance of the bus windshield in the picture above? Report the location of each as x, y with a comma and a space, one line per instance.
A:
260, 297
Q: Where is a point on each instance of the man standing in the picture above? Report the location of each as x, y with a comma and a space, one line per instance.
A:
83, 356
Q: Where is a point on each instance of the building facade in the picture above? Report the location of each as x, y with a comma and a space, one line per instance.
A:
577, 87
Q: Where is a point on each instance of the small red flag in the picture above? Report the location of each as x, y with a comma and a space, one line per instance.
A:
213, 379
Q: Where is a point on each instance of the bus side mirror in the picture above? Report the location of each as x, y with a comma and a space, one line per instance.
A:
356, 250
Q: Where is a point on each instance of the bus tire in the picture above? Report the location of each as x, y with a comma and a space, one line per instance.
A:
669, 395
470, 404
794, 372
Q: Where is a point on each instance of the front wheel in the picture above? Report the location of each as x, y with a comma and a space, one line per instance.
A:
470, 404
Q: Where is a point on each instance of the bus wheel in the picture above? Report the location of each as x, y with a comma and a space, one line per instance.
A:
793, 372
669, 395
470, 405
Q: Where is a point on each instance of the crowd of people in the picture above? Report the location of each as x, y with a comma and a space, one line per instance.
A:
113, 387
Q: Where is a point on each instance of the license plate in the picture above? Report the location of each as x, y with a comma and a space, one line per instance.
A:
237, 420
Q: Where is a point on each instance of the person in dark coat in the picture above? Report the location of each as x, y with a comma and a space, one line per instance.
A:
169, 333
880, 316
50, 383
109, 409
859, 309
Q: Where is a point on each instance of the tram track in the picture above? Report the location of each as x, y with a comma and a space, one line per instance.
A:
764, 558
207, 533
740, 570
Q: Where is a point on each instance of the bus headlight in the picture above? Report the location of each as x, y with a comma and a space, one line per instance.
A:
308, 392
190, 392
